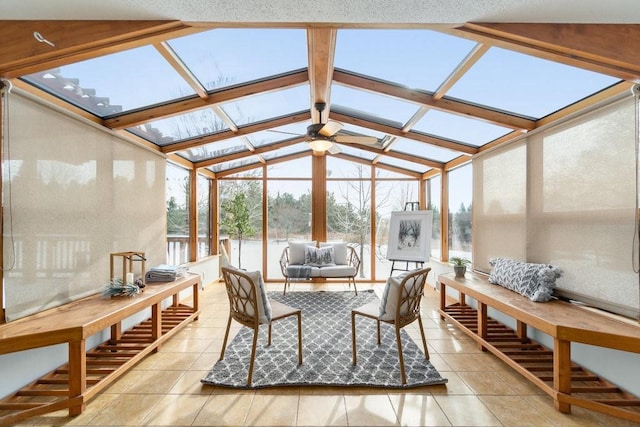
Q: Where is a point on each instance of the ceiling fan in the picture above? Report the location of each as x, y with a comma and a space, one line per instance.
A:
323, 137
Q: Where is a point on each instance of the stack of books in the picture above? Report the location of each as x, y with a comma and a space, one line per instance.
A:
164, 273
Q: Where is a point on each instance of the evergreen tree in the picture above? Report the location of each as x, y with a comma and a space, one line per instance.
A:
236, 220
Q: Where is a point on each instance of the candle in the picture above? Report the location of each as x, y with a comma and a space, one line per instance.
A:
129, 278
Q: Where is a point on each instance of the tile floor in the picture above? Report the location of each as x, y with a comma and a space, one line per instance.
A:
165, 390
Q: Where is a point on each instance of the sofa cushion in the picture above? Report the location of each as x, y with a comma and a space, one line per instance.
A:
534, 281
296, 251
390, 297
319, 257
335, 271
264, 306
339, 252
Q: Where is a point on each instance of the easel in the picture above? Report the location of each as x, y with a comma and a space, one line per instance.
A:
409, 206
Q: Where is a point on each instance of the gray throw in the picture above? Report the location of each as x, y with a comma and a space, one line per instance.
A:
299, 271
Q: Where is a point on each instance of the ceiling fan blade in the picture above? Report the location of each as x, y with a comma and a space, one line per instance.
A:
330, 128
353, 139
334, 149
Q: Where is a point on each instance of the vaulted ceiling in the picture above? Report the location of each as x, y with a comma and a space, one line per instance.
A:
228, 98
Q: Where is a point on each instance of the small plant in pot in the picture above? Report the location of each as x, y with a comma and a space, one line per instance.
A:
459, 265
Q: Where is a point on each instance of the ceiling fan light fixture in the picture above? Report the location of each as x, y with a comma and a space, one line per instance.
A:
320, 144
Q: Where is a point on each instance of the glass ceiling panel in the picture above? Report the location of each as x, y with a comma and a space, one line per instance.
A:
118, 82
426, 151
410, 166
381, 108
526, 85
362, 131
355, 152
181, 127
229, 56
285, 151
268, 105
225, 166
298, 168
458, 128
280, 133
419, 59
214, 150
342, 168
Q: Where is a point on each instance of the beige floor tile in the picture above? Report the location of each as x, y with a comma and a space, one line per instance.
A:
578, 416
225, 410
189, 383
466, 411
486, 383
147, 382
454, 345
516, 411
322, 410
186, 345
454, 386
273, 410
175, 410
418, 410
206, 360
466, 361
127, 410
370, 410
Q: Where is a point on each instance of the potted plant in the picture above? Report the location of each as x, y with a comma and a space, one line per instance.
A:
459, 265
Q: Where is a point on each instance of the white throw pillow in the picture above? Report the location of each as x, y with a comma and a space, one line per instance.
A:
264, 306
296, 251
319, 257
339, 252
391, 297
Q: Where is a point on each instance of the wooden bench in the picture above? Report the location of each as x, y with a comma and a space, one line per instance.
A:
550, 369
89, 372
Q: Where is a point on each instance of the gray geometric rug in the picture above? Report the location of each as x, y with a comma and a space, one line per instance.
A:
326, 340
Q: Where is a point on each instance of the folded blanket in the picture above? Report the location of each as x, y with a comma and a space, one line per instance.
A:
299, 271
164, 273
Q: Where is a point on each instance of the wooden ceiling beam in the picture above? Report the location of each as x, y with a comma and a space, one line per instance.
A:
194, 103
602, 48
73, 41
390, 130
321, 44
425, 99
245, 130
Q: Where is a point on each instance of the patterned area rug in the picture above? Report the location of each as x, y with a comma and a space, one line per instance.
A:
326, 338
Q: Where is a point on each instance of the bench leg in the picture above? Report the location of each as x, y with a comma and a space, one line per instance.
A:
562, 372
482, 324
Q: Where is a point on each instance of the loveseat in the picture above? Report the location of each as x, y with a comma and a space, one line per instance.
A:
308, 260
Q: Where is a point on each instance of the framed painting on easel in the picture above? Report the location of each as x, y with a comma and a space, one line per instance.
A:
410, 236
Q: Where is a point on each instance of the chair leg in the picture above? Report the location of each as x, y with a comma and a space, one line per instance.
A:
424, 339
253, 356
353, 279
400, 357
299, 314
378, 325
269, 336
286, 282
353, 337
226, 335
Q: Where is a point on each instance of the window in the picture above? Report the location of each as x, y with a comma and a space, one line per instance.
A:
434, 198
204, 217
460, 189
177, 214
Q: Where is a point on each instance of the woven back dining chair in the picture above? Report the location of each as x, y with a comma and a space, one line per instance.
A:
250, 306
400, 307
